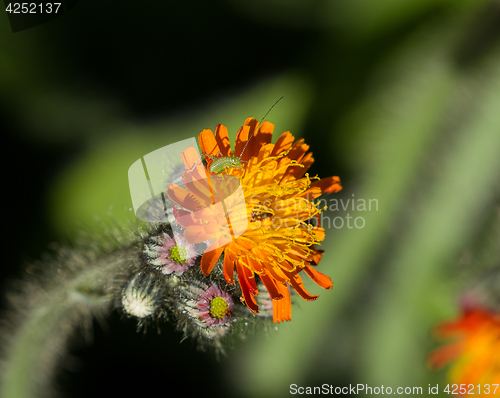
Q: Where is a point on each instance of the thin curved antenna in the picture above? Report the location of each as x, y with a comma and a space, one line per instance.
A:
260, 123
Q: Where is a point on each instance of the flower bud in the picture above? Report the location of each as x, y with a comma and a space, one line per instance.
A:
142, 295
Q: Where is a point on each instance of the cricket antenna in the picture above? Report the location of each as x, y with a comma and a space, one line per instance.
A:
251, 135
270, 109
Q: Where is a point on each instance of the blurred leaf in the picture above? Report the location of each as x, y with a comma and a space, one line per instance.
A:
364, 20
444, 221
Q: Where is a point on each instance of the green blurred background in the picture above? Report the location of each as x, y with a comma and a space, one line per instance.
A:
401, 99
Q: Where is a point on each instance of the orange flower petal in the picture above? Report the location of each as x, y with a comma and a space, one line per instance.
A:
190, 159
321, 279
328, 185
298, 172
319, 234
298, 150
253, 137
246, 289
276, 272
241, 142
228, 267
271, 287
196, 234
282, 309
249, 279
207, 143
317, 257
262, 136
255, 265
184, 217
325, 185
199, 187
184, 198
284, 142
222, 139
210, 257
296, 283
443, 355
265, 151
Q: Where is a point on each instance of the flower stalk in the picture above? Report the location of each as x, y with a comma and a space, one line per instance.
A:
48, 311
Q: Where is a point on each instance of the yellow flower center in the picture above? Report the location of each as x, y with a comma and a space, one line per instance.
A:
218, 308
260, 212
178, 254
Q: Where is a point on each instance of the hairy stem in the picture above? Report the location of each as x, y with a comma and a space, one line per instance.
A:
43, 317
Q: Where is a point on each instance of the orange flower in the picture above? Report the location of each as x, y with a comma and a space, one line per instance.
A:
476, 354
256, 211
